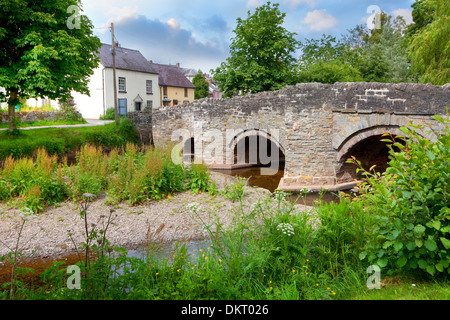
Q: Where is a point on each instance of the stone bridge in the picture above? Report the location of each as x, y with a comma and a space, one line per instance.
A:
307, 130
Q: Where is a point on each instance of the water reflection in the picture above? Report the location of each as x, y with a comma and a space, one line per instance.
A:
270, 182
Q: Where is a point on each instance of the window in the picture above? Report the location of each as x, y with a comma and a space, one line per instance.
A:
149, 86
122, 85
149, 104
122, 107
186, 92
165, 91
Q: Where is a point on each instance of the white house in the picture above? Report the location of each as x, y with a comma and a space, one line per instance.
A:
137, 84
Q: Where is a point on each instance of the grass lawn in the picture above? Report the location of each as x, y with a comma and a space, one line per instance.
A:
404, 288
44, 123
61, 140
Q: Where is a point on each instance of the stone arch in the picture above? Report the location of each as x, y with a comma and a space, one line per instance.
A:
366, 146
243, 137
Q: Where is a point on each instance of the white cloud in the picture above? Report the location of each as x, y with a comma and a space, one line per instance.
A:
295, 3
319, 20
173, 23
405, 13
254, 3
118, 14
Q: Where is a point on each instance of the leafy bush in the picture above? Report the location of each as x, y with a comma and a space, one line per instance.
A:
199, 179
109, 115
410, 202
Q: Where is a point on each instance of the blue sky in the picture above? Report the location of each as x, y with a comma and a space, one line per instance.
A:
197, 33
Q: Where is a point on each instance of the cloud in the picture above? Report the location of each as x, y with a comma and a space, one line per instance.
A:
319, 20
405, 13
254, 3
173, 23
168, 42
294, 3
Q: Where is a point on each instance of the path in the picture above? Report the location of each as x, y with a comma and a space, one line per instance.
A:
91, 123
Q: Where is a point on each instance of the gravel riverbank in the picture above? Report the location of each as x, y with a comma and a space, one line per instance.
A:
46, 235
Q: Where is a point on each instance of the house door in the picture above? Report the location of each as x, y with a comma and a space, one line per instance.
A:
137, 106
123, 107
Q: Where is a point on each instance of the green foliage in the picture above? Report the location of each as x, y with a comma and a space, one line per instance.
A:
235, 191
199, 179
330, 72
39, 55
410, 204
70, 112
109, 115
260, 54
201, 86
429, 48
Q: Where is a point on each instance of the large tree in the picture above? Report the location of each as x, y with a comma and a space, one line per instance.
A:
261, 54
429, 47
46, 50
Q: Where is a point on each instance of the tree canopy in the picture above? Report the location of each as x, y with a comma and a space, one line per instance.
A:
42, 52
201, 86
261, 54
429, 47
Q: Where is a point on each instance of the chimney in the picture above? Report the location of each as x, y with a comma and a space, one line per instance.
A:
151, 61
178, 64
116, 44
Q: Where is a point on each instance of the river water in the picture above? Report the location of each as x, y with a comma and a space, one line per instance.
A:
270, 182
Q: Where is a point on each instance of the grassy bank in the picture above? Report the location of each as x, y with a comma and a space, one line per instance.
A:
57, 141
44, 123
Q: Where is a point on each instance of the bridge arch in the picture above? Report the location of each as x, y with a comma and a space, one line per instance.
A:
366, 146
259, 141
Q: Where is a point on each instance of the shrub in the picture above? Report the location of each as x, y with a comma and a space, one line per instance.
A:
109, 115
411, 205
199, 179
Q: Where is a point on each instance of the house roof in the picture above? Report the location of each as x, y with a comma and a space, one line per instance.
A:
126, 59
172, 76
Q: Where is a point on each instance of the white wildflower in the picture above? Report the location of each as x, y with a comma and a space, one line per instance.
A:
26, 214
194, 206
286, 228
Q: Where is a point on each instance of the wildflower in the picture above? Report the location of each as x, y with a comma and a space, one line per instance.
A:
220, 260
178, 270
157, 273
328, 288
194, 206
271, 288
270, 281
206, 258
307, 260
333, 292
286, 228
293, 271
317, 284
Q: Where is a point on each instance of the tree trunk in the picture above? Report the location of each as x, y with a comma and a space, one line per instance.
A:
12, 110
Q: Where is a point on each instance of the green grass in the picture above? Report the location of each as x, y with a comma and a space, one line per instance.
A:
58, 141
404, 288
43, 123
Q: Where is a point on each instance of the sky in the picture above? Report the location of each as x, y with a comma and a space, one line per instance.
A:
197, 33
